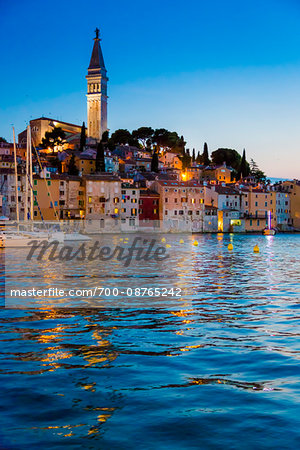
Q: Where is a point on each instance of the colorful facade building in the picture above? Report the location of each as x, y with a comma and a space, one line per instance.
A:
149, 208
181, 205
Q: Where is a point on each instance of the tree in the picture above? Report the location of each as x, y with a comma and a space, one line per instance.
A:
244, 167
154, 161
259, 175
123, 136
199, 158
100, 158
205, 156
194, 155
229, 156
2, 139
105, 137
82, 137
54, 138
185, 159
168, 140
143, 135
72, 169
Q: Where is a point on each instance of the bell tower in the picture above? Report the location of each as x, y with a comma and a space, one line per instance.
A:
96, 92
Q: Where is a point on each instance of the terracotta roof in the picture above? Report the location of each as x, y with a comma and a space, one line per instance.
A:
102, 177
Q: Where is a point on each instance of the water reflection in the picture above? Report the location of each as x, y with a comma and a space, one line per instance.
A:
104, 378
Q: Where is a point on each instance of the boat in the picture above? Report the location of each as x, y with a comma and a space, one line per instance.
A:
76, 237
269, 230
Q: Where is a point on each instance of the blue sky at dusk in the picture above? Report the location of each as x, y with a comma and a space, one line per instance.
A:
224, 72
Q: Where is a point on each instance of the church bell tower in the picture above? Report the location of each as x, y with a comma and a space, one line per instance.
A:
96, 92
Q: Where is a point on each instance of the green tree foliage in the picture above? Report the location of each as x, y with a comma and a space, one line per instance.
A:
244, 168
199, 158
2, 139
168, 140
229, 156
53, 138
72, 169
205, 155
143, 135
100, 158
185, 159
123, 136
259, 175
105, 137
82, 137
154, 161
194, 155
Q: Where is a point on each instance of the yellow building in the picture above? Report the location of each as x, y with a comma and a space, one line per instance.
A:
222, 174
293, 188
85, 164
256, 203
46, 198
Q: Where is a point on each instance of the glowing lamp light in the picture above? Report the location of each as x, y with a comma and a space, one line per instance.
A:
184, 176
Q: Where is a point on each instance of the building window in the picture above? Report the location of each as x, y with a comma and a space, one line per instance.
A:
181, 212
116, 200
49, 182
34, 182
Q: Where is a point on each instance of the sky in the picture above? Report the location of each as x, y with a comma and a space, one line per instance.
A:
222, 72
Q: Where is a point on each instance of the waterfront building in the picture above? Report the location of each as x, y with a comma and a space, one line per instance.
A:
181, 205
149, 208
129, 207
255, 205
46, 198
228, 202
103, 201
293, 188
71, 197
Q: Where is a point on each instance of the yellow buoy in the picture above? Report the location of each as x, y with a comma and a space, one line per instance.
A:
181, 241
230, 246
121, 239
168, 245
163, 240
195, 243
256, 248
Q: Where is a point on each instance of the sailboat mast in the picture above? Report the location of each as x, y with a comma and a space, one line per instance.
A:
26, 177
16, 178
30, 176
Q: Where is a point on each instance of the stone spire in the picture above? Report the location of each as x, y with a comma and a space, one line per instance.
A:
97, 61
